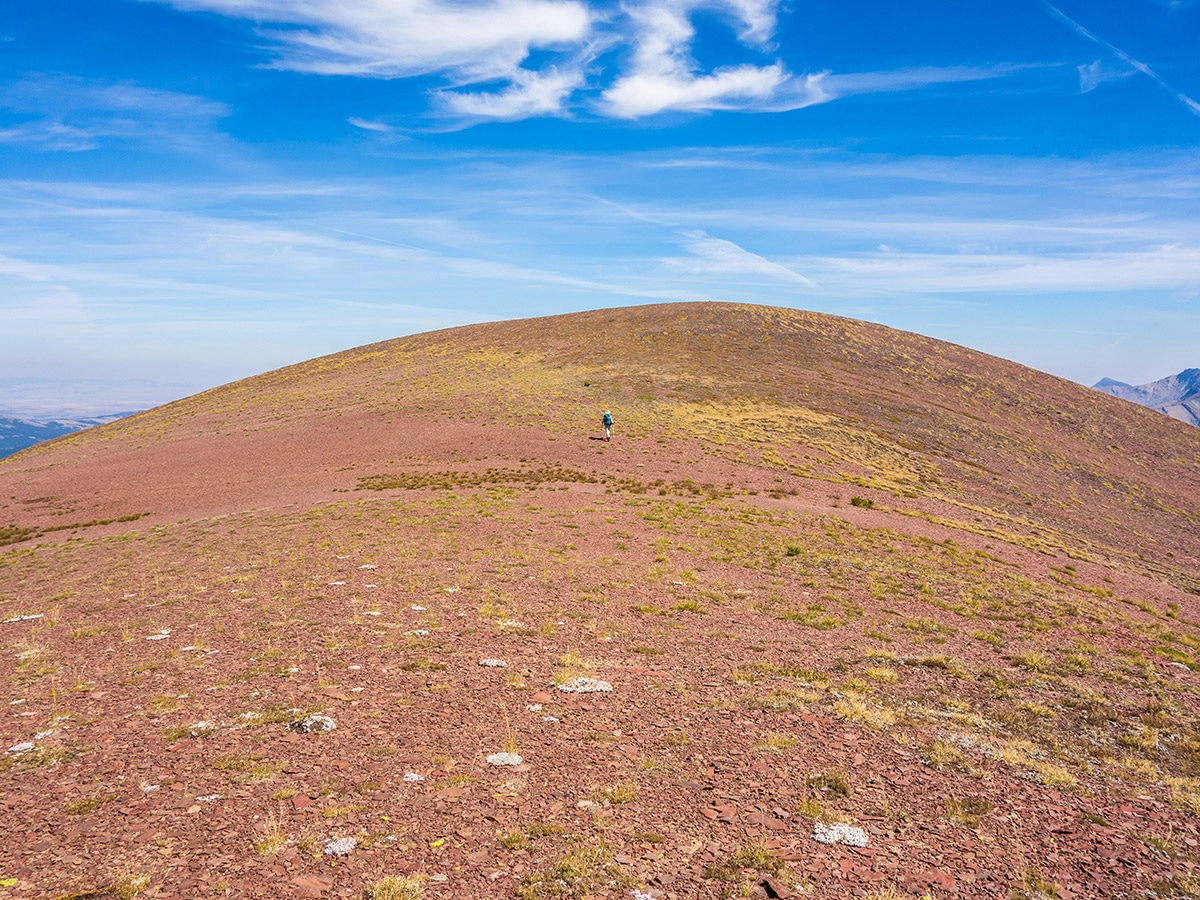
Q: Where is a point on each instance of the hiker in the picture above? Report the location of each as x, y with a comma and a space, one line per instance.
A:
608, 422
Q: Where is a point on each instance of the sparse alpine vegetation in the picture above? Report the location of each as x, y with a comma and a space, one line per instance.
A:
827, 581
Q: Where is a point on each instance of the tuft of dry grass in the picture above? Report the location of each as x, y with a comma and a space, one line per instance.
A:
83, 805
272, 839
752, 857
968, 810
393, 887
579, 872
129, 886
624, 792
891, 892
775, 742
855, 708
940, 755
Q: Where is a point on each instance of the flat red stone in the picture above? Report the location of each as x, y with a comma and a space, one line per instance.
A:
312, 885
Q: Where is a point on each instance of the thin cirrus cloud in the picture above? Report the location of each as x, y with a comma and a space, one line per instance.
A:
467, 44
1094, 74
399, 38
711, 255
370, 125
58, 112
529, 94
626, 62
1085, 78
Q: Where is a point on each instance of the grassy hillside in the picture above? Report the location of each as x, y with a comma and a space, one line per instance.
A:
833, 573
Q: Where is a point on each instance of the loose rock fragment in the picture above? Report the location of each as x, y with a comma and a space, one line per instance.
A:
584, 685
23, 747
494, 663
341, 846
839, 833
312, 723
162, 635
504, 759
21, 618
413, 777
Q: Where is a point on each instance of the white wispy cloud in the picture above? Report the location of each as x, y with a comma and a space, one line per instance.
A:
663, 76
467, 43
529, 94
1094, 74
629, 62
198, 271
72, 114
1168, 267
650, 93
395, 38
798, 92
712, 255
1121, 55
369, 125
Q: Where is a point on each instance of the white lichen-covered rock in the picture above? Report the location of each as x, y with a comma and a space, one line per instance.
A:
584, 685
23, 747
839, 833
504, 759
341, 846
413, 777
313, 723
494, 663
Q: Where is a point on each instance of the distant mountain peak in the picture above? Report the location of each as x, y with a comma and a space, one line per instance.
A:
1177, 396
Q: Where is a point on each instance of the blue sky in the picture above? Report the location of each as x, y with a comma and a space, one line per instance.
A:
192, 191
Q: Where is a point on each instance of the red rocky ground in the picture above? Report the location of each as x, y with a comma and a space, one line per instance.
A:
987, 664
